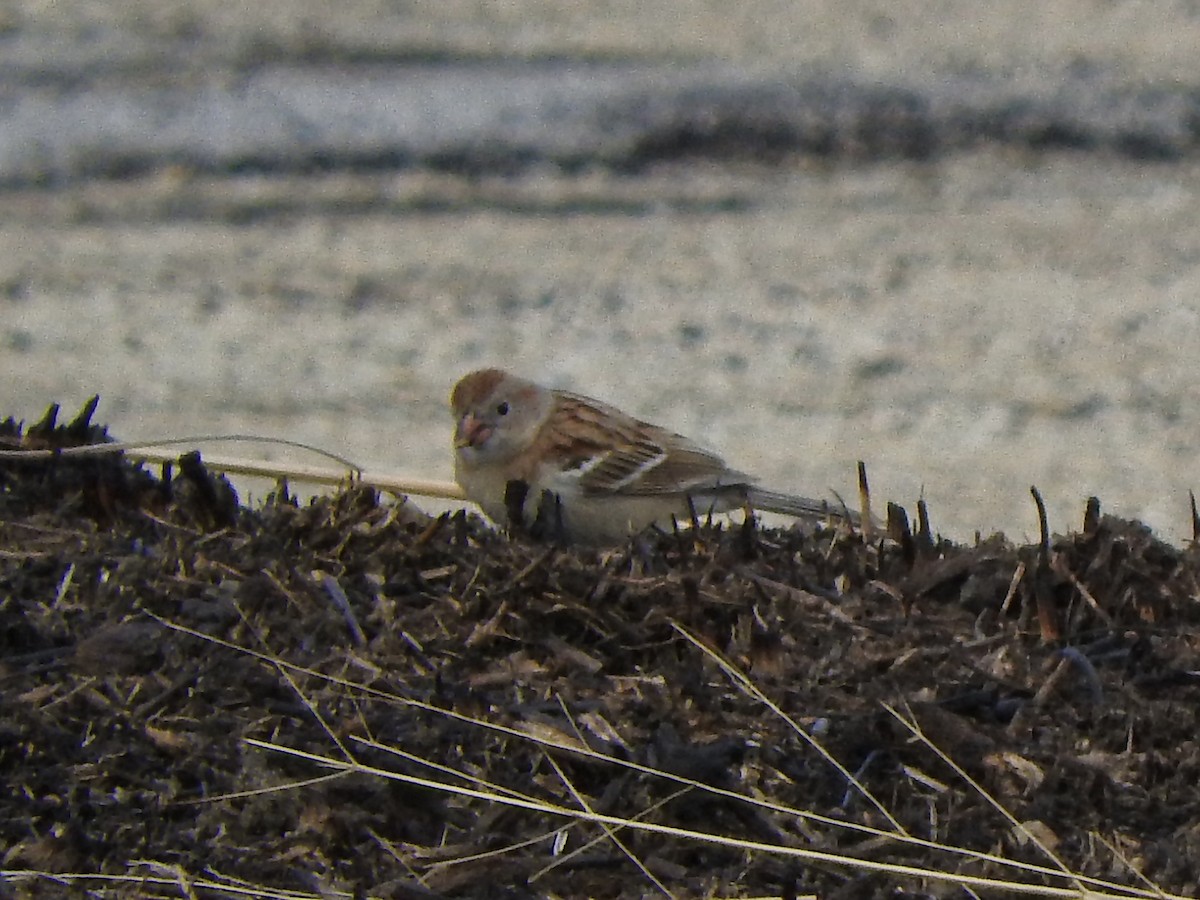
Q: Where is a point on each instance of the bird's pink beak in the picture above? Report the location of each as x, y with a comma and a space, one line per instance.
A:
471, 432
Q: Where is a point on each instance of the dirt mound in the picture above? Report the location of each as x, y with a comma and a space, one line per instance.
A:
154, 634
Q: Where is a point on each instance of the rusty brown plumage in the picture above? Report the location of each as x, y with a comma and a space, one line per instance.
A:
474, 388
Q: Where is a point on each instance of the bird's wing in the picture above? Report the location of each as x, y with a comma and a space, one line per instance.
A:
610, 452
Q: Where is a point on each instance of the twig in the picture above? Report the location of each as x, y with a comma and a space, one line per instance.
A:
1047, 621
1018, 574
924, 529
342, 602
1061, 569
864, 503
1195, 518
384, 481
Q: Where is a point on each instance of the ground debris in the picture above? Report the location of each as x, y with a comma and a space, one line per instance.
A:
140, 612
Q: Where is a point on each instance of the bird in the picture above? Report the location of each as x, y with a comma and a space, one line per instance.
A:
607, 474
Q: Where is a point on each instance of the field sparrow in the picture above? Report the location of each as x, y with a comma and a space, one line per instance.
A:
609, 474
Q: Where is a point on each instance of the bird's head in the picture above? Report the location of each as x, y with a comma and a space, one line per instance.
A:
497, 415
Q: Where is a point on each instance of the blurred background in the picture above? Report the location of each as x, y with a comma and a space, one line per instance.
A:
960, 242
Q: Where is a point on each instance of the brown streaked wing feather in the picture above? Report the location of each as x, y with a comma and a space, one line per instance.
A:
622, 470
689, 467
638, 458
580, 429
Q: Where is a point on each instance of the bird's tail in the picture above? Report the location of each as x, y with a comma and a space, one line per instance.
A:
763, 500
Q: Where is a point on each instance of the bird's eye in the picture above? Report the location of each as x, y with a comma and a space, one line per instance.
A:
502, 408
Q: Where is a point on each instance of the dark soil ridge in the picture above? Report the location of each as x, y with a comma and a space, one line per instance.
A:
499, 116
1063, 679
